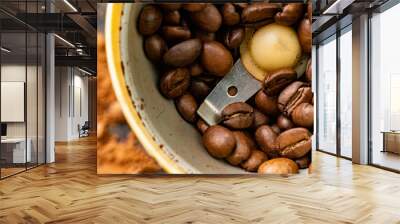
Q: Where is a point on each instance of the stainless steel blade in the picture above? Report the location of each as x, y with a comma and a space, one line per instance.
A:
246, 86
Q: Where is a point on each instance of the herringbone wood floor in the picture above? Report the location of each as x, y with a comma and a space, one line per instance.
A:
69, 191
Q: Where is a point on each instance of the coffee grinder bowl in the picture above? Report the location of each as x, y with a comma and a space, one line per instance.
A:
174, 143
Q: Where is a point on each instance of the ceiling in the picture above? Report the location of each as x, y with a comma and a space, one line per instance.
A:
73, 20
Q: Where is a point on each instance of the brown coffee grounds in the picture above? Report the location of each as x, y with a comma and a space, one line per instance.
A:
115, 154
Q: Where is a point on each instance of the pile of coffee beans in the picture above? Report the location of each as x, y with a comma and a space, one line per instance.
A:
194, 45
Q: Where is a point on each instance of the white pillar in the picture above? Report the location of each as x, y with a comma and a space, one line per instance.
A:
360, 90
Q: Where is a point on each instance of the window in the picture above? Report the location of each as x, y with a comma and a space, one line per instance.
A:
385, 89
327, 96
346, 92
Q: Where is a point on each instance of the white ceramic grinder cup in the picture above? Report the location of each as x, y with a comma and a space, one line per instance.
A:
174, 143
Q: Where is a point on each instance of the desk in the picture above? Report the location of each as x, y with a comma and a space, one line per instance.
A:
15, 148
391, 141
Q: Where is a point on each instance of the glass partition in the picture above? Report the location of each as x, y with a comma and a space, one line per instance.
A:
327, 96
385, 89
22, 90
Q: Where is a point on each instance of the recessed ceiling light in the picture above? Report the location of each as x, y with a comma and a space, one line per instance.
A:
71, 6
5, 50
64, 40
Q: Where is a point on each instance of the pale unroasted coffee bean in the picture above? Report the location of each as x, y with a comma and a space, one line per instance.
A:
238, 115
216, 59
303, 115
183, 54
155, 47
256, 158
187, 107
282, 166
209, 19
174, 83
294, 143
219, 141
150, 19
242, 150
290, 14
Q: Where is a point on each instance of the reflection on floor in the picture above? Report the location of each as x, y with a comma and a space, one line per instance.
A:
14, 169
387, 159
70, 191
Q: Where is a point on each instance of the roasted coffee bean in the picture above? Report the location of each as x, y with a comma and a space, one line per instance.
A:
175, 82
216, 59
265, 138
292, 96
284, 123
234, 37
259, 119
172, 18
276, 129
237, 115
230, 16
309, 10
266, 104
277, 81
194, 7
183, 54
170, 6
303, 162
242, 150
303, 115
199, 89
282, 166
256, 158
205, 36
150, 19
202, 126
257, 12
309, 71
294, 143
219, 141
187, 107
196, 69
174, 34
155, 47
209, 19
241, 5
305, 36
290, 14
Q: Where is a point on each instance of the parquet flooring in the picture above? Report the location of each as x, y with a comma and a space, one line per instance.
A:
69, 191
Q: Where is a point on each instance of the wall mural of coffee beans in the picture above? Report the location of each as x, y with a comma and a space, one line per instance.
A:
195, 45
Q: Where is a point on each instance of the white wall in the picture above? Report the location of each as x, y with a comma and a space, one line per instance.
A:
71, 102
